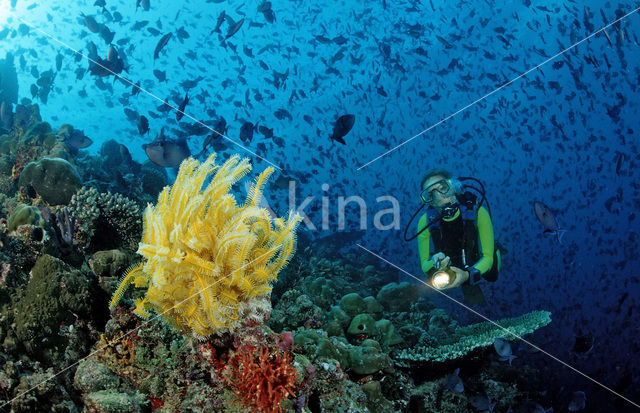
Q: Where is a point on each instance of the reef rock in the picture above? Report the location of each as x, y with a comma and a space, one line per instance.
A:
54, 179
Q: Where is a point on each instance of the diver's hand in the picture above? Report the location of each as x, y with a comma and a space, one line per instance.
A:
440, 257
461, 277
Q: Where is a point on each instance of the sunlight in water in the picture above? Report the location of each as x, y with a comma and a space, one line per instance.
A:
5, 12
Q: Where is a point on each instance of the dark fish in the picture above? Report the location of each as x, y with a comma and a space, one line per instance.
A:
183, 105
165, 107
161, 75
246, 132
182, 34
113, 64
106, 34
139, 25
58, 62
80, 72
77, 140
444, 42
323, 39
267, 132
218, 22
144, 3
340, 40
34, 90
342, 126
143, 125
214, 139
165, 152
90, 23
264, 6
233, 30
188, 84
269, 16
135, 89
161, 43
548, 220
283, 113
131, 114
620, 158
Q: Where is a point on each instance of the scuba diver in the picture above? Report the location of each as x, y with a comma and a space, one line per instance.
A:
455, 236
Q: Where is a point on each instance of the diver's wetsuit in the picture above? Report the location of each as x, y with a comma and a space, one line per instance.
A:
479, 248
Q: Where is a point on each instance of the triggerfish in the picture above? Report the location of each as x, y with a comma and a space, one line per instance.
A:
548, 219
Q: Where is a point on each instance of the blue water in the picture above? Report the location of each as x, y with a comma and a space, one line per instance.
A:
554, 135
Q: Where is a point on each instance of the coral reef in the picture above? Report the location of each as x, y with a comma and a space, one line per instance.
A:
462, 341
265, 374
105, 220
54, 179
209, 262
342, 335
45, 313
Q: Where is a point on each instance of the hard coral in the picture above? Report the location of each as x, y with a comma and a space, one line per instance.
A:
261, 379
105, 220
209, 263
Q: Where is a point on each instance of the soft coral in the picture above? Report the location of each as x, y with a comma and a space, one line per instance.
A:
261, 379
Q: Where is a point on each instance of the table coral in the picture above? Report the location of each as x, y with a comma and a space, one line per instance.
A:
209, 262
465, 340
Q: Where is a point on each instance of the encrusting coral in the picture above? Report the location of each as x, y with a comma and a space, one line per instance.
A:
209, 262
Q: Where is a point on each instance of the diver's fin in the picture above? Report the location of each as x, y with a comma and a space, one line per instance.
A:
473, 294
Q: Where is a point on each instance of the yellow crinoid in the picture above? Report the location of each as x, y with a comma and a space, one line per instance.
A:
208, 262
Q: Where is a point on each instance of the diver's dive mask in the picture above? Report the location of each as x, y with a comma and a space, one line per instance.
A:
441, 189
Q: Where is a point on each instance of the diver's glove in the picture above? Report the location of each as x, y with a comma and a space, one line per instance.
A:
440, 258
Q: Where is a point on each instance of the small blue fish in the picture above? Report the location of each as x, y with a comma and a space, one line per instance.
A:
503, 348
481, 402
578, 401
454, 382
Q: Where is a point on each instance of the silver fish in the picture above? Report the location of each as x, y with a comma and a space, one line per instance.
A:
548, 219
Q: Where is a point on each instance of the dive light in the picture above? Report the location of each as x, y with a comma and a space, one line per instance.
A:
442, 277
